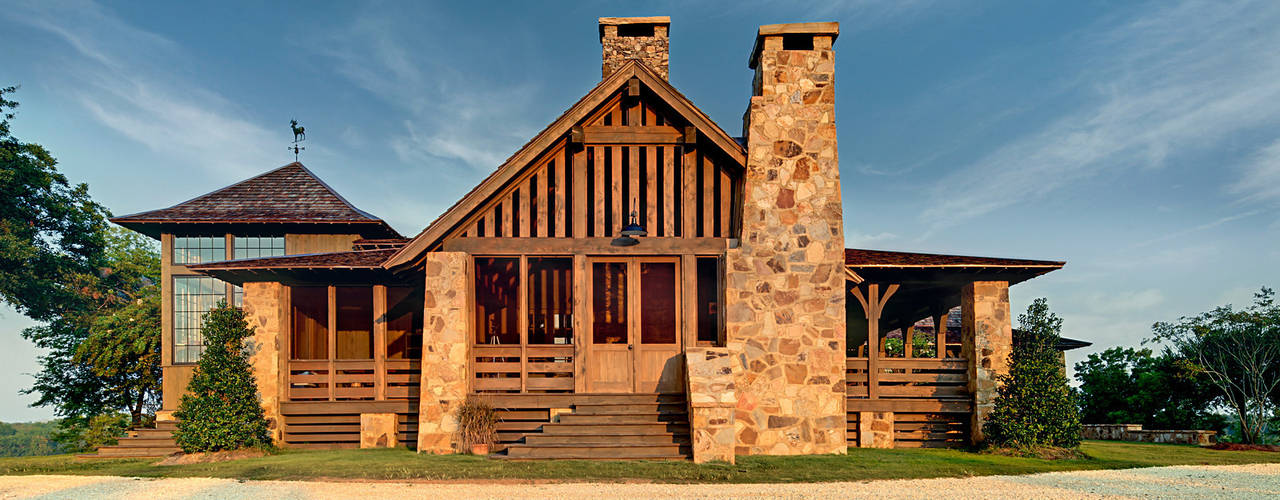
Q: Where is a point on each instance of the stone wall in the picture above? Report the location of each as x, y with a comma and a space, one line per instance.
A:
379, 430
784, 285
444, 350
265, 307
1134, 432
712, 400
616, 49
875, 429
987, 332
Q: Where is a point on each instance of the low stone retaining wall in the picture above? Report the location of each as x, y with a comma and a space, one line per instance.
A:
1134, 432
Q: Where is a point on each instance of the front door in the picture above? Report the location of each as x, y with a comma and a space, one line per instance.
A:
635, 342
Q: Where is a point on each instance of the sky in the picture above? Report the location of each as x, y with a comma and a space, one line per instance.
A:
1138, 141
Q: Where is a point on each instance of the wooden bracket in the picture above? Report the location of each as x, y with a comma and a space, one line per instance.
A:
690, 135
576, 136
633, 87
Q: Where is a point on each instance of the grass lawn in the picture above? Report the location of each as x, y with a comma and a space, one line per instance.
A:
859, 464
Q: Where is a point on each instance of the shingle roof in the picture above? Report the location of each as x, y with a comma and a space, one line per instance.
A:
855, 257
289, 194
333, 260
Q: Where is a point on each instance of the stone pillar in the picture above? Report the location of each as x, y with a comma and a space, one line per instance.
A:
444, 350
875, 429
712, 399
265, 307
641, 38
785, 297
379, 430
987, 333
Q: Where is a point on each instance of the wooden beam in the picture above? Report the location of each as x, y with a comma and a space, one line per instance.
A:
689, 299
689, 192
633, 90
585, 246
380, 341
669, 193
579, 171
559, 211
581, 309
651, 202
333, 334
599, 216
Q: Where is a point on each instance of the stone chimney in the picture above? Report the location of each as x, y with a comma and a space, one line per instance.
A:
785, 283
641, 38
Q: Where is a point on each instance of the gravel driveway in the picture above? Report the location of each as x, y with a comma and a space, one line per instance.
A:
1232, 481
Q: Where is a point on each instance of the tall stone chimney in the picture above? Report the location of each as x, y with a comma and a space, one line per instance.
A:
785, 282
642, 38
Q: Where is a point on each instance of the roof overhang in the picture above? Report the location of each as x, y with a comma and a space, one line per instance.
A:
154, 228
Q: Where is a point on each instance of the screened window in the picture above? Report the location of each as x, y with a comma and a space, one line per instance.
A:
310, 338
708, 305
550, 289
192, 297
404, 323
237, 296
497, 300
252, 247
199, 249
355, 322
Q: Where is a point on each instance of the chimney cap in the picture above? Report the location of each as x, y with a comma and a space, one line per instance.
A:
831, 28
619, 21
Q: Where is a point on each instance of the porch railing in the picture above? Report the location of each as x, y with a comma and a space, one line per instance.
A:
530, 368
928, 378
353, 380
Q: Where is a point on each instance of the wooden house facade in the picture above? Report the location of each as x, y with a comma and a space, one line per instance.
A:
632, 282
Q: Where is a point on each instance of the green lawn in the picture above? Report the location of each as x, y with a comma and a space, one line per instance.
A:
858, 465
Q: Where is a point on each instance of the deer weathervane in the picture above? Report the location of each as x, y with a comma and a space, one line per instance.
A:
299, 135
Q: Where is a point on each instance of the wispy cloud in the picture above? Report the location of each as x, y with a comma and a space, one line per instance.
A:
124, 81
866, 240
1260, 178
451, 116
1178, 78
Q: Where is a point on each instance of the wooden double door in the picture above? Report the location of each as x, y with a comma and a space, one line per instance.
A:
635, 342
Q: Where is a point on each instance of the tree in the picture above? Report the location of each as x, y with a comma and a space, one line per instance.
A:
222, 410
1239, 352
1034, 406
1127, 385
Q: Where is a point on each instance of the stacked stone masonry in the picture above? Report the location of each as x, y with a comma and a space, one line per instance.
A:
1134, 432
653, 51
987, 332
379, 430
785, 315
265, 308
444, 350
875, 429
712, 400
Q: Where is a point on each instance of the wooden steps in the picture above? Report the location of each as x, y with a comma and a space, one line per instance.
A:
141, 443
610, 427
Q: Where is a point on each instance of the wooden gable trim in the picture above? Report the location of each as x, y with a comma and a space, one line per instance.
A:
558, 129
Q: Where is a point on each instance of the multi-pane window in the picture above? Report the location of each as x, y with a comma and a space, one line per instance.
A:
199, 249
192, 297
252, 247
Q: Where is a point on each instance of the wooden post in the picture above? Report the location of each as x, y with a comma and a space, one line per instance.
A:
579, 197
940, 332
872, 305
689, 298
908, 341
523, 320
580, 312
380, 342
333, 336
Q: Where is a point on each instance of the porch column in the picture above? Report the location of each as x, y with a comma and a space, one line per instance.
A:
988, 339
444, 350
265, 309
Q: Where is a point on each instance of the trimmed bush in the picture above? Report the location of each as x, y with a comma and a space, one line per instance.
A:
1034, 406
222, 410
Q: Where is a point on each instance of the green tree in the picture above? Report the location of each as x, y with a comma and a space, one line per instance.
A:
1127, 385
1239, 352
1034, 406
222, 410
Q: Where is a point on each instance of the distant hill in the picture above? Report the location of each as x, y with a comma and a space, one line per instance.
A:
28, 439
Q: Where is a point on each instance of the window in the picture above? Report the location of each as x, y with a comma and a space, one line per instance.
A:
237, 296
199, 249
497, 300
404, 322
658, 297
355, 322
310, 339
609, 303
192, 297
252, 247
708, 305
550, 288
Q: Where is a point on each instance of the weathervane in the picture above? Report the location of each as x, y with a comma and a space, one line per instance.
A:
299, 135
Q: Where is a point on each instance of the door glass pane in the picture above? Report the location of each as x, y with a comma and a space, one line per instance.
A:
550, 300
310, 322
708, 305
657, 303
609, 303
497, 300
355, 322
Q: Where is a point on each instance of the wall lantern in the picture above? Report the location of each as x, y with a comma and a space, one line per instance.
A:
630, 231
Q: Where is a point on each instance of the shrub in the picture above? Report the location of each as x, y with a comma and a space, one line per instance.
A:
222, 410
1034, 406
477, 423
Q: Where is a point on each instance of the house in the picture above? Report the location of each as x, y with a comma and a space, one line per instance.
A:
633, 282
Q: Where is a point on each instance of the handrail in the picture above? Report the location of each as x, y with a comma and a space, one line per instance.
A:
530, 368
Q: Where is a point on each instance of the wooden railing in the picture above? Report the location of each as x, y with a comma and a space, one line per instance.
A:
532, 368
907, 378
353, 380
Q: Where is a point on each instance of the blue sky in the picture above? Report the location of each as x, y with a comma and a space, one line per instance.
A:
1139, 141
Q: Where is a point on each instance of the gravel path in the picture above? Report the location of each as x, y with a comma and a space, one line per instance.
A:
1233, 481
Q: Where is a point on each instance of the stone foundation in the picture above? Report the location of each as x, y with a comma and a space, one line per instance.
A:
1134, 432
875, 429
444, 350
379, 430
987, 330
712, 398
265, 307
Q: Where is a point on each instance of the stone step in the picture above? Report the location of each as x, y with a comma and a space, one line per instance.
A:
152, 433
621, 418
545, 439
616, 450
615, 429
132, 451
614, 409
145, 442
